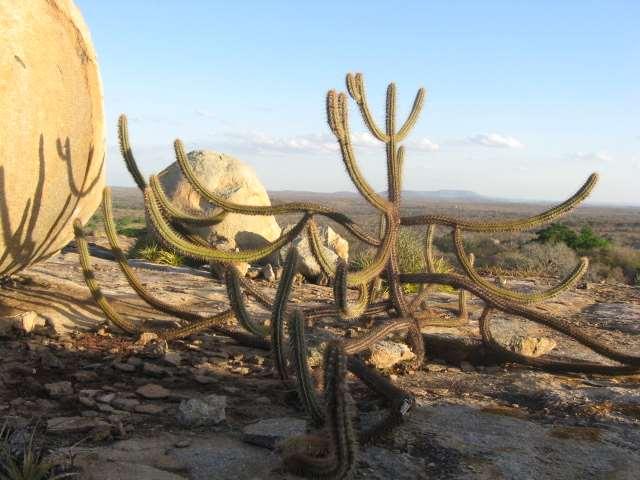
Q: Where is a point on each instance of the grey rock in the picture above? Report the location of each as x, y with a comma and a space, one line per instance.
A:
268, 274
64, 425
268, 433
210, 410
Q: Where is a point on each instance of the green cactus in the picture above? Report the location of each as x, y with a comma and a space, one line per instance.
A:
340, 460
333, 455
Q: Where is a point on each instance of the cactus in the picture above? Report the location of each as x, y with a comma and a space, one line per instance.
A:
333, 455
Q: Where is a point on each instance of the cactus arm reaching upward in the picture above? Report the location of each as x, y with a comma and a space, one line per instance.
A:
127, 153
279, 312
306, 390
234, 292
512, 225
340, 461
339, 124
356, 89
90, 279
413, 116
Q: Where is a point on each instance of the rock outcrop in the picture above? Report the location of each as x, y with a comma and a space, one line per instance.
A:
51, 130
235, 181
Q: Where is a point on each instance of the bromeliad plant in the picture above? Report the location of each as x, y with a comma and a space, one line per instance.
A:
396, 311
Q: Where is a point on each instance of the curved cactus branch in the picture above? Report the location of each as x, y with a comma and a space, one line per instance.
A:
506, 306
176, 214
340, 294
518, 297
169, 236
508, 226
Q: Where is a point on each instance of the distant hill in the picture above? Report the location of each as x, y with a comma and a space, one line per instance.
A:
435, 195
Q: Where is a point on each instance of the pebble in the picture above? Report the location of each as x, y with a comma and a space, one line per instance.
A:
59, 389
153, 391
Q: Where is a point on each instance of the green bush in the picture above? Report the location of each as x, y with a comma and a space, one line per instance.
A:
584, 241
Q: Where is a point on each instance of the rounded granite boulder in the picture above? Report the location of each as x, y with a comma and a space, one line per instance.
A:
52, 145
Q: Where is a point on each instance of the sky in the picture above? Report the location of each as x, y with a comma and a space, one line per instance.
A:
524, 99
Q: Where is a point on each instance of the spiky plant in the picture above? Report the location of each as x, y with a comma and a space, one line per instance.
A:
333, 455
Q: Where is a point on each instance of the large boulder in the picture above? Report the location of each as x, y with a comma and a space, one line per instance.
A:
51, 129
236, 182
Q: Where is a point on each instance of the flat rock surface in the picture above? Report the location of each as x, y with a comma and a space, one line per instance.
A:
471, 420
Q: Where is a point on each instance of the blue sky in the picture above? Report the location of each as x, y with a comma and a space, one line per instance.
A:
524, 99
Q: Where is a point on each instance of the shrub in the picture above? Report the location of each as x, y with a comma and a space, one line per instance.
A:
539, 258
585, 241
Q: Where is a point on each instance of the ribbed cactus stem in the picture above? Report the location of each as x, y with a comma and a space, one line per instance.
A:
528, 223
236, 298
518, 297
340, 461
127, 153
304, 384
278, 314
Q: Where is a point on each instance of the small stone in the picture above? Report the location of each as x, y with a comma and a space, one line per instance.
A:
153, 391
106, 397
467, 367
386, 354
135, 361
65, 425
124, 367
88, 392
150, 408
85, 376
127, 404
268, 433
208, 411
105, 407
155, 349
531, 346
263, 400
87, 402
145, 338
268, 274
182, 443
23, 323
173, 358
204, 379
154, 370
59, 389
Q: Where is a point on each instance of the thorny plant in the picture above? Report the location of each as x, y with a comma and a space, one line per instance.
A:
333, 455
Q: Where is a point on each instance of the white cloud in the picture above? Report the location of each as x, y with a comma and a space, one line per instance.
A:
591, 157
494, 140
309, 144
423, 145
